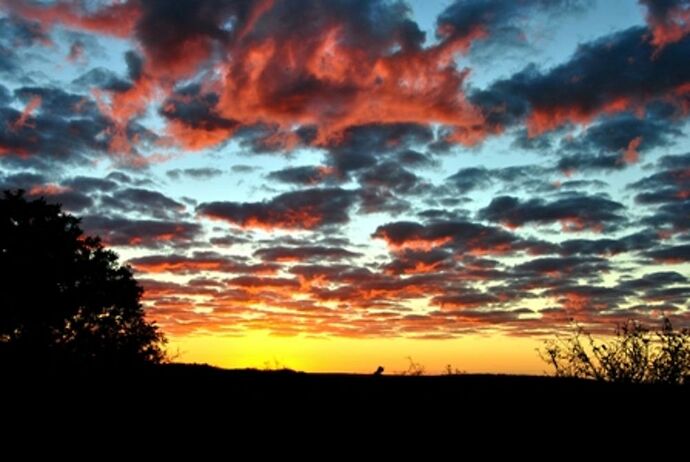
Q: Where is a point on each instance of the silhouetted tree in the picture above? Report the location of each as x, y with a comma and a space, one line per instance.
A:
64, 299
634, 355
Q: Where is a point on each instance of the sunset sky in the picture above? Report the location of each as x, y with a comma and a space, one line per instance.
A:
334, 185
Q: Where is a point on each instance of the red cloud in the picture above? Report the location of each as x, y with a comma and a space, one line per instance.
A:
76, 53
197, 263
117, 19
33, 104
327, 83
631, 156
546, 118
337, 75
669, 20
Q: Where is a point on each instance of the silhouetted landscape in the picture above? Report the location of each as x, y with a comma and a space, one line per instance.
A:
207, 390
191, 187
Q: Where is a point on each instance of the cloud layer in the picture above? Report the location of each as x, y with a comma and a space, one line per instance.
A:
331, 168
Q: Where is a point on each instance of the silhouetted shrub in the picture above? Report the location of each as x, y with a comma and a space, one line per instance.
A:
450, 370
64, 299
634, 355
414, 369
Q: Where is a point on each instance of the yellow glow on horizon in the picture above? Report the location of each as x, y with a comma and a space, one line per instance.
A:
472, 353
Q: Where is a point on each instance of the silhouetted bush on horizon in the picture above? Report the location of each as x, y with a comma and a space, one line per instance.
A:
65, 301
635, 355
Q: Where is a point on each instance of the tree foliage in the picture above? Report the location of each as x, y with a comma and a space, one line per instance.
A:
64, 298
634, 355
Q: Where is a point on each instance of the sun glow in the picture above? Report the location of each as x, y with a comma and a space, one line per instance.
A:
471, 353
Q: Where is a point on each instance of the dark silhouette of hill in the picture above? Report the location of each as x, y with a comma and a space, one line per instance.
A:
261, 384
164, 405
173, 404
192, 386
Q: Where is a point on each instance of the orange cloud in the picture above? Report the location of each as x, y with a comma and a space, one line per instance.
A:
197, 263
631, 156
33, 104
50, 189
543, 119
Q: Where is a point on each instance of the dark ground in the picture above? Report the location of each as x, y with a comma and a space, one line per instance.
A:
163, 406
206, 386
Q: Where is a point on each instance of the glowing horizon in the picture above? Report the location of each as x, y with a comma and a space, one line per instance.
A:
477, 353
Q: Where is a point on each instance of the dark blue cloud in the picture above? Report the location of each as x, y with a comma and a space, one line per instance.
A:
617, 141
305, 175
575, 212
499, 21
622, 70
305, 209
